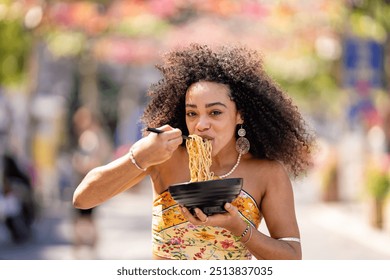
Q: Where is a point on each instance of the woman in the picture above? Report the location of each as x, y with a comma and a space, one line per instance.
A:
215, 94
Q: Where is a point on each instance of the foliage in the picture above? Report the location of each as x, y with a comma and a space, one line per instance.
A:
14, 49
321, 87
329, 174
376, 10
378, 182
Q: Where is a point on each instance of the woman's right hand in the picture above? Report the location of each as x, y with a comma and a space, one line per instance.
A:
157, 148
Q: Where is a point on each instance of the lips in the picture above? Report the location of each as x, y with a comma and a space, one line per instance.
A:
206, 137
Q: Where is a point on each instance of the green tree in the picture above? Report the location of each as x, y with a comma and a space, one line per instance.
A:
15, 43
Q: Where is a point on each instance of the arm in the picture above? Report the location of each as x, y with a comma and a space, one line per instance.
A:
278, 210
104, 182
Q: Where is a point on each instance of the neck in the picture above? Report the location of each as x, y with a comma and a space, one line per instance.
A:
227, 174
223, 166
223, 162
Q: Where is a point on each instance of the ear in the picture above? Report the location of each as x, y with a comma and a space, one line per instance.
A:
239, 119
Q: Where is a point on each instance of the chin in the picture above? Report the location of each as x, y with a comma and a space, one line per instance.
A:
215, 152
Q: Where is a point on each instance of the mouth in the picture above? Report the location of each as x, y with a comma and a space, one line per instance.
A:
206, 137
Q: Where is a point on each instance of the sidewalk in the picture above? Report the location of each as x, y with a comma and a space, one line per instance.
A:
329, 231
336, 231
123, 224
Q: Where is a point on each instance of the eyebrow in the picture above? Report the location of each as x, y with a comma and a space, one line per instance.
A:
207, 105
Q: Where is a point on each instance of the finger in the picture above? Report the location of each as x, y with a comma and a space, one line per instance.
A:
231, 208
165, 127
175, 140
187, 214
201, 216
173, 144
170, 134
173, 134
194, 219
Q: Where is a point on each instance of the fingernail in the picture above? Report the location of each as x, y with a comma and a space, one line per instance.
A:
228, 205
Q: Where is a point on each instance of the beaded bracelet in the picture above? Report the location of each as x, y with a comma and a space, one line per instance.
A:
250, 236
245, 231
134, 162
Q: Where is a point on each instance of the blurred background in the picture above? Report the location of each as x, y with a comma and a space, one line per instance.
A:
73, 77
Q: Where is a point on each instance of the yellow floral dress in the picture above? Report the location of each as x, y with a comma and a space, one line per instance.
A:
176, 238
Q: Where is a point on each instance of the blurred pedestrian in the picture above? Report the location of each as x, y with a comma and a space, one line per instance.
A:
19, 209
17, 200
93, 148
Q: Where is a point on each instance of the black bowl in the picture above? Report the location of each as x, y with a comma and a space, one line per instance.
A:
209, 196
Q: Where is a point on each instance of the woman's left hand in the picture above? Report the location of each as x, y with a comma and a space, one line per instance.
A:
230, 220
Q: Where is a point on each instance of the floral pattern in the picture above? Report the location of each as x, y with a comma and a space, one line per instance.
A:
176, 238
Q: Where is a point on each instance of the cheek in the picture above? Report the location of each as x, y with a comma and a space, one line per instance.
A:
215, 148
219, 143
190, 126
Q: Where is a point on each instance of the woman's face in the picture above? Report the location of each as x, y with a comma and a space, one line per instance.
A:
211, 114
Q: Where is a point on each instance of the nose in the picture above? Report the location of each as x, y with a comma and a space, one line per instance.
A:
203, 124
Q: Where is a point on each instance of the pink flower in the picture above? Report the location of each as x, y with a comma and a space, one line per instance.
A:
175, 241
227, 244
191, 226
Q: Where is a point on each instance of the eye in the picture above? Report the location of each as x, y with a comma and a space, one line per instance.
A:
215, 113
190, 114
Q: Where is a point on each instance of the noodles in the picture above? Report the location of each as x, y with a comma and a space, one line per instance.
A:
199, 153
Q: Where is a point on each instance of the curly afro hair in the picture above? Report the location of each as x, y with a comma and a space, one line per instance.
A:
274, 125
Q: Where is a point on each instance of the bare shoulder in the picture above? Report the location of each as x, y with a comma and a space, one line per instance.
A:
267, 170
263, 176
277, 180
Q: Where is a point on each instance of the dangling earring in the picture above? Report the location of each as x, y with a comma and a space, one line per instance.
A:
242, 143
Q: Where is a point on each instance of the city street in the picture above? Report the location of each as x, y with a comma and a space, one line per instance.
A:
329, 231
60, 58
